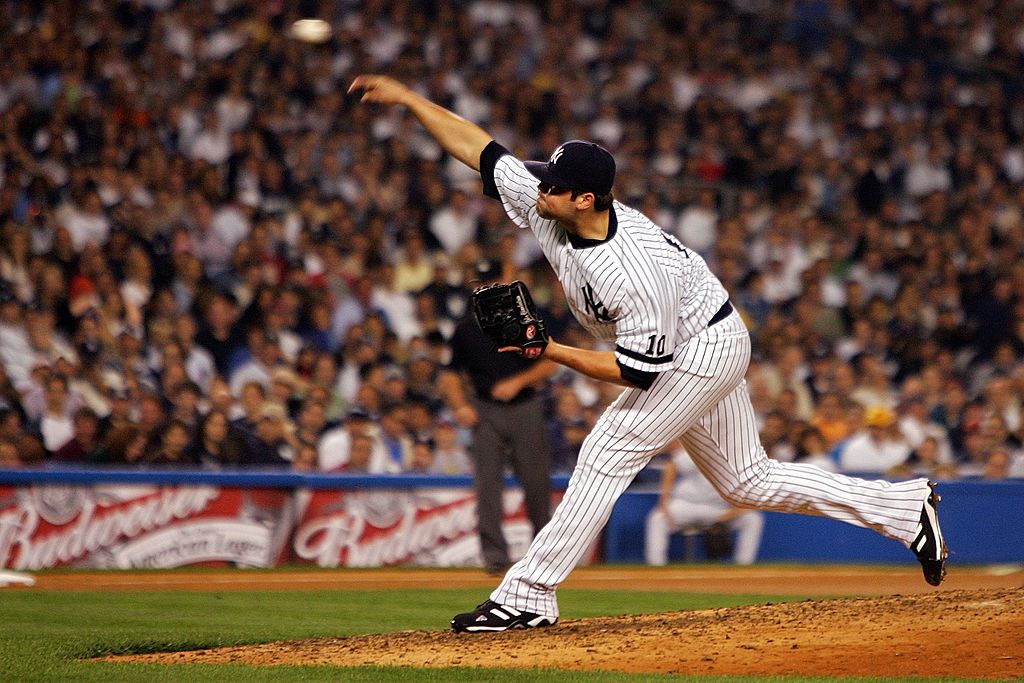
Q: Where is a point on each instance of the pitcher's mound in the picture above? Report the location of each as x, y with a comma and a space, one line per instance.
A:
977, 634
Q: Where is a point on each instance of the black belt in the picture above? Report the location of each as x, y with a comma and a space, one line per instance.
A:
723, 312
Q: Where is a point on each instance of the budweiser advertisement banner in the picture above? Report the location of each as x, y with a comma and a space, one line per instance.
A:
132, 526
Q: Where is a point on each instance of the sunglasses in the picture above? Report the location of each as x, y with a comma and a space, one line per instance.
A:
546, 188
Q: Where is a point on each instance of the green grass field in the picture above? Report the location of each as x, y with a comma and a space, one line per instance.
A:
45, 636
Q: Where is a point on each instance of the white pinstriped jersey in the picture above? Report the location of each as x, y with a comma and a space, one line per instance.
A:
639, 287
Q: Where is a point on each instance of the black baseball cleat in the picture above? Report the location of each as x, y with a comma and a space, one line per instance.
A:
492, 617
929, 545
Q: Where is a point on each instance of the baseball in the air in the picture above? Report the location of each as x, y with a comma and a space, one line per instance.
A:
311, 30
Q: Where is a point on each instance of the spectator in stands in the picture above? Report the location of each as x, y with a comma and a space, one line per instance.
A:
191, 188
774, 436
995, 433
152, 417
421, 457
10, 456
264, 355
398, 443
874, 387
185, 403
306, 458
12, 424
997, 464
454, 224
829, 419
697, 226
450, 455
84, 446
172, 447
273, 442
421, 417
220, 398
813, 449
414, 269
878, 447
219, 333
334, 449
250, 400
927, 460
1001, 399
422, 376
360, 456
311, 422
286, 388
55, 424
120, 407
199, 363
10, 397
568, 429
217, 443
915, 426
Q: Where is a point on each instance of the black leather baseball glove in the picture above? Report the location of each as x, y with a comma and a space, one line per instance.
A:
507, 316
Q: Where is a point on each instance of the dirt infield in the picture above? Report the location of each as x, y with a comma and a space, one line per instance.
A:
974, 634
972, 627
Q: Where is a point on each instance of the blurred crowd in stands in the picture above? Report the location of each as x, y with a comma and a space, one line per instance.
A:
211, 257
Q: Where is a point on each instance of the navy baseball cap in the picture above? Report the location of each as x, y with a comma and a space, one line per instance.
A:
579, 165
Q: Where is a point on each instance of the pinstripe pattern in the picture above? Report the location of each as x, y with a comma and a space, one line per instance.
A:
652, 286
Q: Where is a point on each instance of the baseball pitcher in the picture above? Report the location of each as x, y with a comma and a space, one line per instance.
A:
680, 351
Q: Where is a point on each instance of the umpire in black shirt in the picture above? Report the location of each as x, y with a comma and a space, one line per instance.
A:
506, 412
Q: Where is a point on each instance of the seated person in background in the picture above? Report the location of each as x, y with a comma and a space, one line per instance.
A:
927, 460
306, 460
55, 424
335, 445
1003, 463
830, 418
360, 455
218, 442
812, 449
394, 435
250, 401
774, 436
917, 427
450, 456
125, 445
688, 499
9, 457
421, 457
878, 447
173, 447
84, 445
274, 442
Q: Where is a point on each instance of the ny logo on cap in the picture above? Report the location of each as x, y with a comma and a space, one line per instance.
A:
557, 154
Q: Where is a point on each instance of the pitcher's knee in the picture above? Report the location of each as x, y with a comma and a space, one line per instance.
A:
752, 489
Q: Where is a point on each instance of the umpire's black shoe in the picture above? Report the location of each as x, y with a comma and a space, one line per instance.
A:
929, 546
490, 616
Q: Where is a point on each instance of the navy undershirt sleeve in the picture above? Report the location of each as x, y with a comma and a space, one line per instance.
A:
638, 378
488, 158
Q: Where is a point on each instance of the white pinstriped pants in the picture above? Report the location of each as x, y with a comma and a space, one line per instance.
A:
703, 402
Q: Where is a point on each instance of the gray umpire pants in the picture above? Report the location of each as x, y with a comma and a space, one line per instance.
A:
513, 433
